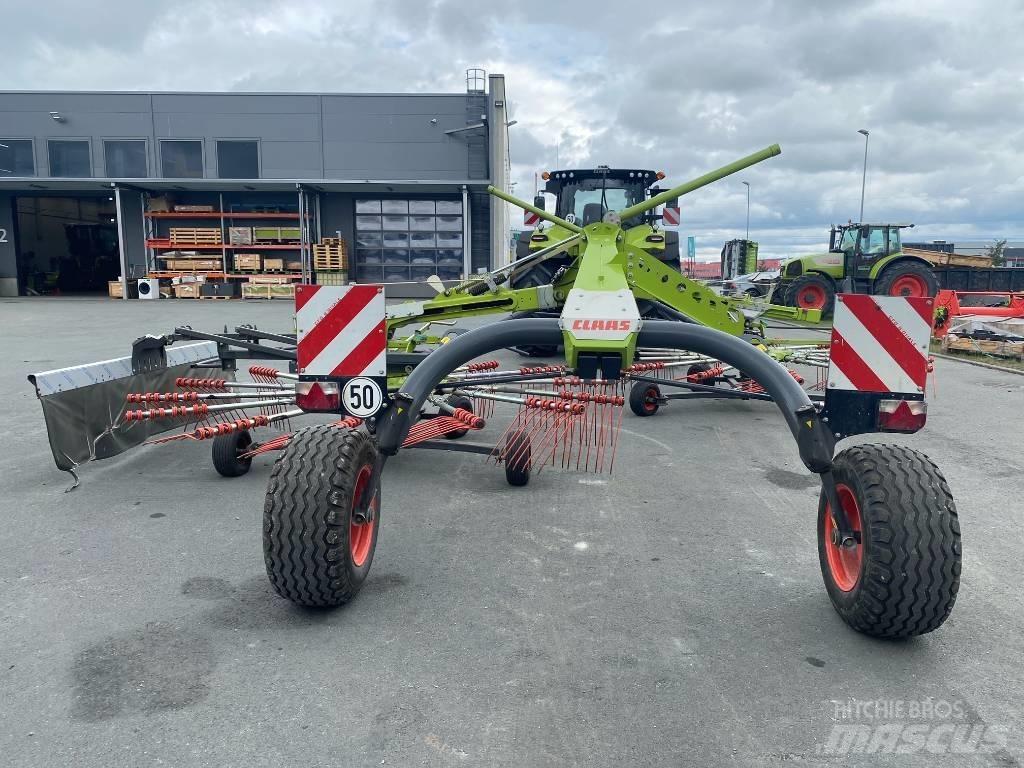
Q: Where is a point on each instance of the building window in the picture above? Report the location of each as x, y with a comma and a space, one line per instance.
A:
181, 159
238, 160
69, 158
402, 240
16, 158
125, 159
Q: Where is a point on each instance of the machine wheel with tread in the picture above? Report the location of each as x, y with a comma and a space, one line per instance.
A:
907, 278
316, 552
812, 292
901, 578
644, 398
227, 450
518, 459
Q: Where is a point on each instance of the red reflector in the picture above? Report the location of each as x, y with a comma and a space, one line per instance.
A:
901, 415
318, 396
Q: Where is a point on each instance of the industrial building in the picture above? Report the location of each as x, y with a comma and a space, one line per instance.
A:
390, 188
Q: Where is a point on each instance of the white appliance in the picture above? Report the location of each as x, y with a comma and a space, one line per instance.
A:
149, 288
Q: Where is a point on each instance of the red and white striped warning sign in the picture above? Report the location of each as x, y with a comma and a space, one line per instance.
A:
670, 217
341, 330
880, 343
530, 219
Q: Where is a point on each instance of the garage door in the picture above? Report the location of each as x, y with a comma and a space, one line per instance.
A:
398, 240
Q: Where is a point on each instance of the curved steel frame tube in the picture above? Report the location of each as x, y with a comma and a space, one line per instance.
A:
393, 426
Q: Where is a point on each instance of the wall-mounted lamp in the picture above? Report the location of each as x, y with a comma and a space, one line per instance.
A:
57, 116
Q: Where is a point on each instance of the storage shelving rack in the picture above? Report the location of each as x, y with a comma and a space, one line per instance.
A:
158, 241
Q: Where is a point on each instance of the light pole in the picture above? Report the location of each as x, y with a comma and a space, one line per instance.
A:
747, 185
864, 176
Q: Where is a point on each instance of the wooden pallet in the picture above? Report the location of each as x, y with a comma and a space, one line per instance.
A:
1012, 349
195, 236
216, 297
330, 258
332, 278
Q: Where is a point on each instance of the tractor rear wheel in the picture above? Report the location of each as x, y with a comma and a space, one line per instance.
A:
908, 279
901, 578
227, 453
316, 552
644, 398
812, 292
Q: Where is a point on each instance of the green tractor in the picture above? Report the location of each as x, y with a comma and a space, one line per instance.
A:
582, 197
862, 258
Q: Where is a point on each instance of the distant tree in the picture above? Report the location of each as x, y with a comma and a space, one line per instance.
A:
997, 252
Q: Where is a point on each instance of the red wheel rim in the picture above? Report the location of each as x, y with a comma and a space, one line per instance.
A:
360, 535
844, 562
908, 285
650, 400
811, 297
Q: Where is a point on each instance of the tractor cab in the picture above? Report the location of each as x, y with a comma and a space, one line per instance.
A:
584, 196
863, 247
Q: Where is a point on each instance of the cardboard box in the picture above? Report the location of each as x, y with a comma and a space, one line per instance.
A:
161, 204
250, 262
273, 264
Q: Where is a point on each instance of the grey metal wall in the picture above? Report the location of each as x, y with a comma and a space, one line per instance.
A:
8, 257
301, 136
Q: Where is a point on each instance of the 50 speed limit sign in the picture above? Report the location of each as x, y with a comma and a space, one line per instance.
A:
362, 397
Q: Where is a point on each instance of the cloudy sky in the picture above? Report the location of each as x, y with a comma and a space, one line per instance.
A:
680, 86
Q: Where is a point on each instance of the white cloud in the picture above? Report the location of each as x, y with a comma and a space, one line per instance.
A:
938, 83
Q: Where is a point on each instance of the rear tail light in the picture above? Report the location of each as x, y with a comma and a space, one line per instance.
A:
901, 415
318, 396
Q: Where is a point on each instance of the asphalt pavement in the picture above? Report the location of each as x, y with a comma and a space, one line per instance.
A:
672, 614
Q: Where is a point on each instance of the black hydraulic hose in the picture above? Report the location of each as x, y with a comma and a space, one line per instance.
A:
394, 424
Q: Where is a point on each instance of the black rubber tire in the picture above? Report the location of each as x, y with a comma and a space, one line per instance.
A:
226, 450
888, 277
643, 398
459, 401
307, 516
519, 459
910, 563
805, 281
